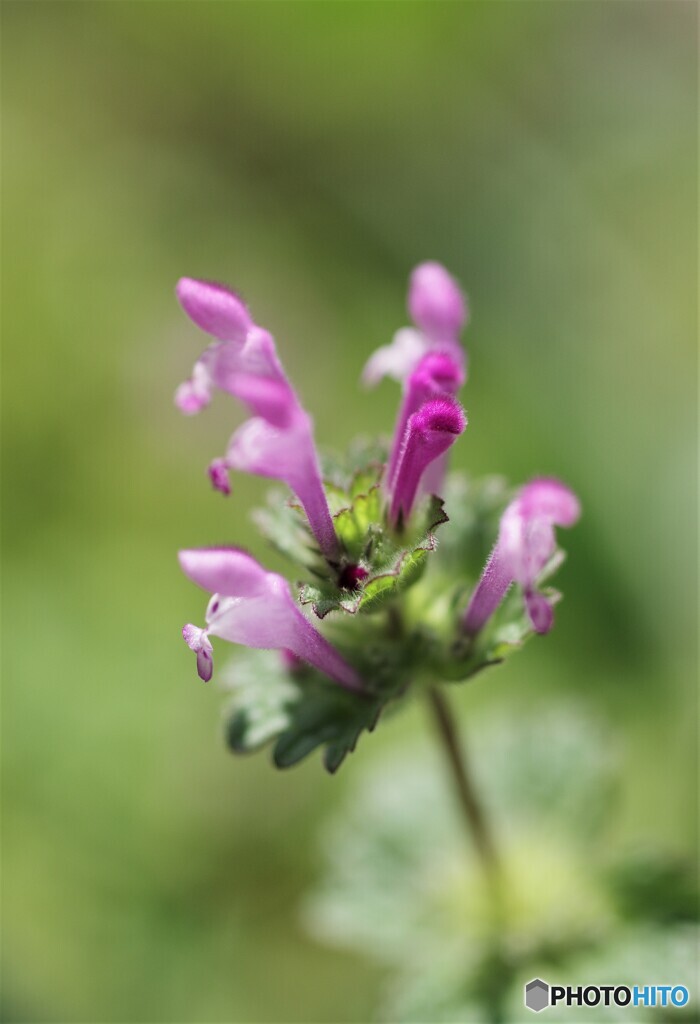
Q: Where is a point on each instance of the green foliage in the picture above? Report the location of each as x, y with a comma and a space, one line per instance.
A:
658, 887
285, 526
300, 711
415, 900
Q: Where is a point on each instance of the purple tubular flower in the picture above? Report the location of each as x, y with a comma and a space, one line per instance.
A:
287, 454
436, 303
437, 374
221, 313
278, 442
439, 310
429, 433
254, 607
526, 544
249, 370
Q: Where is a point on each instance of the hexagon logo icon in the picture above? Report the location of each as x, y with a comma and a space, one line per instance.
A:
536, 995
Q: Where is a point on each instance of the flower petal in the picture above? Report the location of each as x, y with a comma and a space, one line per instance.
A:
540, 611
218, 474
550, 499
224, 570
193, 394
254, 374
435, 302
254, 607
436, 374
526, 543
526, 546
214, 308
272, 620
287, 454
397, 360
198, 641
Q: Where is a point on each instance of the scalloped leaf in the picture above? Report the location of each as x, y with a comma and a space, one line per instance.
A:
365, 457
285, 526
325, 598
298, 712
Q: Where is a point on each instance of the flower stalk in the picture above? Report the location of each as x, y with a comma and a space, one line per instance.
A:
473, 814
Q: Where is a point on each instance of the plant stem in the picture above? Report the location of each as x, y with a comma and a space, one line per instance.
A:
472, 810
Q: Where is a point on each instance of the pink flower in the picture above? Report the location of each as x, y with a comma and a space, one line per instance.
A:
254, 607
278, 442
436, 303
436, 374
439, 310
215, 308
526, 544
287, 454
429, 433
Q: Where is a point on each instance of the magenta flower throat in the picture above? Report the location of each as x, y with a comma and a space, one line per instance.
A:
402, 575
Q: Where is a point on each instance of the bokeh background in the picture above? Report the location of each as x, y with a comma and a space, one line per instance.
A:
310, 154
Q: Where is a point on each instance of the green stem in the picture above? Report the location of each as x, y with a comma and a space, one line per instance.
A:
472, 809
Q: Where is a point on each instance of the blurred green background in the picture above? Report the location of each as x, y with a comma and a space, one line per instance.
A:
310, 154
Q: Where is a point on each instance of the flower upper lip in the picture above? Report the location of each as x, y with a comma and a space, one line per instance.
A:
439, 311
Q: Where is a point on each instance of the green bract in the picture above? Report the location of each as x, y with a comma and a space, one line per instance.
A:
392, 606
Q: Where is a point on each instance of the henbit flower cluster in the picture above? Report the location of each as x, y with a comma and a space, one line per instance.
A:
259, 609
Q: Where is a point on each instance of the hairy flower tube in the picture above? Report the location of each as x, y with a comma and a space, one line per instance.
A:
379, 604
525, 545
428, 434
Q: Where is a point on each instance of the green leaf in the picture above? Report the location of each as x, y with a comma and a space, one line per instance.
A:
656, 886
402, 886
325, 716
325, 597
262, 693
285, 525
299, 711
365, 457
